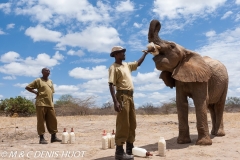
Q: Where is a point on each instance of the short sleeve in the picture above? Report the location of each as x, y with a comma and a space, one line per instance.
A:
33, 85
133, 65
112, 75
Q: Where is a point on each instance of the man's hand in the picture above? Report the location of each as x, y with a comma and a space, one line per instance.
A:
117, 107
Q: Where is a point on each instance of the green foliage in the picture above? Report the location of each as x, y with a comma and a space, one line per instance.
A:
65, 99
19, 105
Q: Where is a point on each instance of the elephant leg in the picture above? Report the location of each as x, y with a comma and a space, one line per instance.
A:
200, 98
182, 109
219, 108
213, 117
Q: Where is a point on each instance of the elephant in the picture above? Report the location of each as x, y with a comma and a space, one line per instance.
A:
203, 79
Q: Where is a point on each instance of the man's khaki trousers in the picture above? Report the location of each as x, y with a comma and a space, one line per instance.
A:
126, 119
46, 114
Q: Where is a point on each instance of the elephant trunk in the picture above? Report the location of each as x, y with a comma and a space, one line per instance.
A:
154, 28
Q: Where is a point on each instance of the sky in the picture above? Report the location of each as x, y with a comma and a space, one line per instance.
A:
74, 38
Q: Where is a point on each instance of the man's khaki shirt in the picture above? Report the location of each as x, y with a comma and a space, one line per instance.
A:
120, 75
45, 92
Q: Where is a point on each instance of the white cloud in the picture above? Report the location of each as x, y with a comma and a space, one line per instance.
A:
210, 33
40, 33
10, 26
96, 86
237, 2
21, 85
9, 77
1, 97
1, 32
225, 47
94, 60
21, 28
94, 39
65, 89
125, 6
87, 73
79, 53
59, 12
30, 66
10, 56
172, 9
227, 14
139, 95
237, 17
58, 56
137, 25
146, 78
6, 7
28, 95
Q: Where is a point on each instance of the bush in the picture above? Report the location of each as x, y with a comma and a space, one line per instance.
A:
20, 105
67, 105
232, 104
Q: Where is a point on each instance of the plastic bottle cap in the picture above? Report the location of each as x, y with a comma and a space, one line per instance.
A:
113, 133
149, 154
64, 130
104, 133
72, 130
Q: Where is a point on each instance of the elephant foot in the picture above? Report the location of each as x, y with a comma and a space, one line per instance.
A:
183, 140
220, 133
204, 141
213, 132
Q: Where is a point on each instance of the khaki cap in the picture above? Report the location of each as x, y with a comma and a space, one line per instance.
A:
116, 49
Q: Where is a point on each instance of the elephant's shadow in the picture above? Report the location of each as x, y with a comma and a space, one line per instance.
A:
172, 144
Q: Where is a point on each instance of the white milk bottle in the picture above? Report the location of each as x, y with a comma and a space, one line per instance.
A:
141, 152
65, 136
113, 140
162, 147
72, 136
104, 140
109, 140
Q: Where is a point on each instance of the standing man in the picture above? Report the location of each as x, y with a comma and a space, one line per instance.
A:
120, 77
44, 106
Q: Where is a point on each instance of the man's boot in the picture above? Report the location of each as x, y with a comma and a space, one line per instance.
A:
42, 140
121, 155
129, 147
54, 138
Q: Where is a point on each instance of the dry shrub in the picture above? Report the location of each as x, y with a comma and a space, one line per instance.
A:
69, 106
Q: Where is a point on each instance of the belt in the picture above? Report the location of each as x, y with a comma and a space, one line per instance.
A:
127, 92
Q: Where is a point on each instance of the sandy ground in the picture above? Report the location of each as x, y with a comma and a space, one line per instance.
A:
19, 139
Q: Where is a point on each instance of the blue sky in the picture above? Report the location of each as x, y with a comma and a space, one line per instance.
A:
74, 38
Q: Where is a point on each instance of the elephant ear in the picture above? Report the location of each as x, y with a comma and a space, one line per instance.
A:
167, 79
192, 68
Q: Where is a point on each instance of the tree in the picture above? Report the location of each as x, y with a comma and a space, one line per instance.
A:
68, 105
19, 105
232, 104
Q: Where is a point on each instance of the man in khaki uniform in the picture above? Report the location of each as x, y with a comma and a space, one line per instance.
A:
44, 106
120, 77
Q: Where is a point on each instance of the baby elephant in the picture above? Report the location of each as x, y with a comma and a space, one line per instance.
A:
203, 79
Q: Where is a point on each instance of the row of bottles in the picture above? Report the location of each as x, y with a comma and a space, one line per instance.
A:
141, 152
68, 137
108, 140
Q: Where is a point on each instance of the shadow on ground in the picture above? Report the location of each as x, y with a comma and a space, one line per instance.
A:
170, 144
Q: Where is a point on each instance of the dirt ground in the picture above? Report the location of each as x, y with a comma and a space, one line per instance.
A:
19, 139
